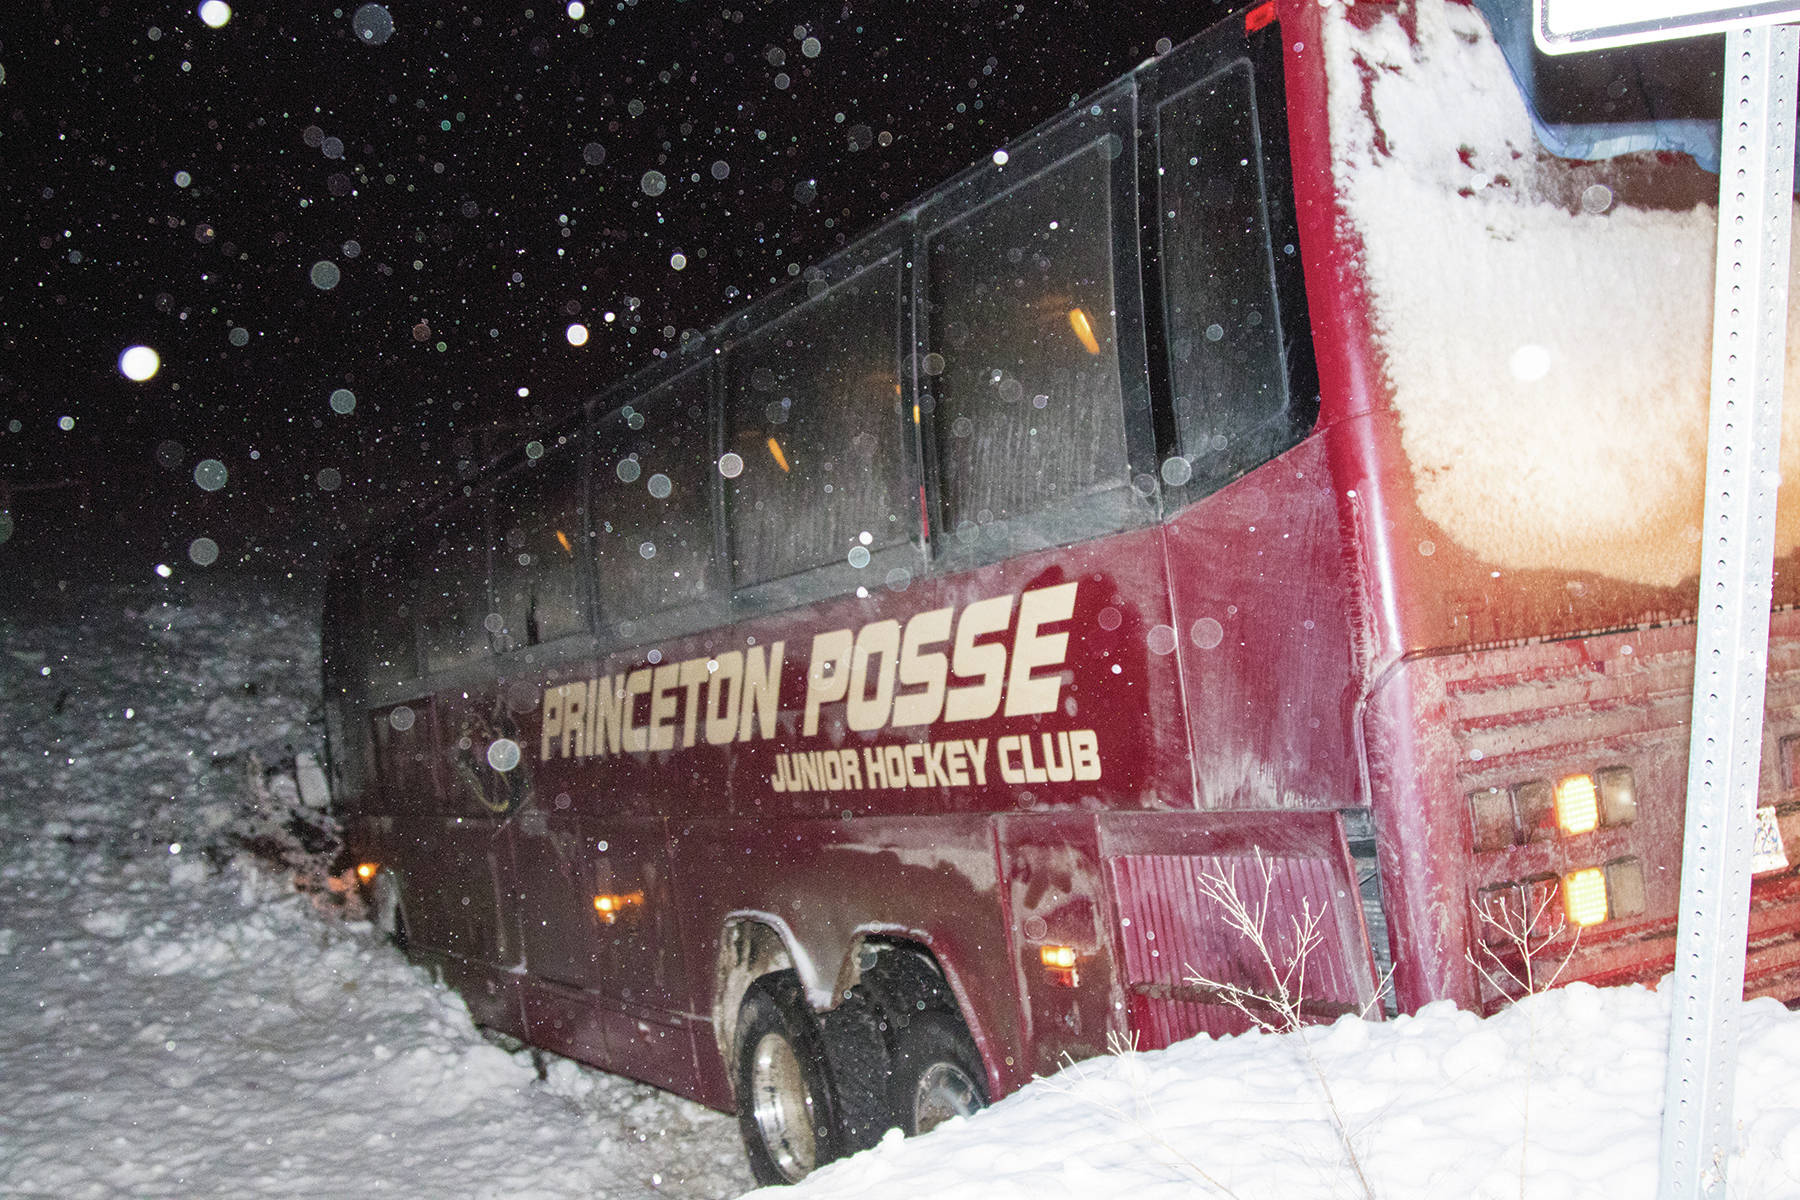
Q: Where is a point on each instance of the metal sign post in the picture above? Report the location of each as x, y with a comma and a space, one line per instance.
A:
1742, 472
1750, 300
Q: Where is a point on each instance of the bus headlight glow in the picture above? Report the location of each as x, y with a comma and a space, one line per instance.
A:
1577, 804
1584, 896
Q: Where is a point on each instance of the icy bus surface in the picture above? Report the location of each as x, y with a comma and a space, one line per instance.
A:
1544, 324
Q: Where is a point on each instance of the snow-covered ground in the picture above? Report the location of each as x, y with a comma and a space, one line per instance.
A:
177, 1020
186, 1024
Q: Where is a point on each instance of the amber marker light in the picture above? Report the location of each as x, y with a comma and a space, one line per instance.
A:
609, 907
562, 539
366, 871
1084, 331
775, 450
1059, 965
1577, 804
1584, 896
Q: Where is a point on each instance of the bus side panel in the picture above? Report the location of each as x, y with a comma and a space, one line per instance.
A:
1171, 877
1256, 574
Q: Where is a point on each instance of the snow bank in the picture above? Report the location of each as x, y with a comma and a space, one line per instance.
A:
1557, 1099
177, 1021
1547, 345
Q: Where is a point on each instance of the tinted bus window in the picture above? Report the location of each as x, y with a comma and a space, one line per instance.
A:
1221, 317
652, 466
1023, 363
538, 532
393, 640
449, 571
814, 420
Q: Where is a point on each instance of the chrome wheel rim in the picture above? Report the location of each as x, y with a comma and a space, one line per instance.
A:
945, 1090
782, 1106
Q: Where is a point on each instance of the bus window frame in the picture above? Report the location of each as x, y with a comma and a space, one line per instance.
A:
1166, 81
712, 610
573, 443
908, 553
394, 687
1135, 501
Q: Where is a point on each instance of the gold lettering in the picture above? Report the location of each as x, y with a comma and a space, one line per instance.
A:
574, 722
609, 715
826, 676
915, 778
635, 737
863, 711
549, 743
918, 669
1009, 772
693, 675
663, 701
762, 691
971, 702
722, 720
955, 763
1030, 650
978, 759
1084, 752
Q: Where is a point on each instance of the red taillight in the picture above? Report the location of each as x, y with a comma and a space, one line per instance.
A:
1259, 16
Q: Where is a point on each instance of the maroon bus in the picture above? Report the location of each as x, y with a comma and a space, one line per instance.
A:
1279, 462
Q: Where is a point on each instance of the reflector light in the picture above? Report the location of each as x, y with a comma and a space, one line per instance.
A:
1538, 899
1584, 896
1577, 804
366, 871
1059, 957
1491, 818
1618, 795
1536, 803
1625, 887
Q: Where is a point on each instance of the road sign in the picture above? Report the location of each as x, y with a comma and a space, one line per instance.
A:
1568, 26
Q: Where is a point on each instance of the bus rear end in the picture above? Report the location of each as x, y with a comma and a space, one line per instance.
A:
1514, 346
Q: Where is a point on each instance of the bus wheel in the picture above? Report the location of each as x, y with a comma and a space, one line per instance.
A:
784, 1099
937, 1073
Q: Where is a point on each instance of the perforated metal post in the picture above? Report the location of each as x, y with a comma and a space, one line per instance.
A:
1742, 465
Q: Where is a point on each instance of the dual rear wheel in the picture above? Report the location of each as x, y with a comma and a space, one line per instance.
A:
797, 1112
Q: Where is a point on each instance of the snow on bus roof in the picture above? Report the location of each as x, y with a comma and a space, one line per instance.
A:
1549, 361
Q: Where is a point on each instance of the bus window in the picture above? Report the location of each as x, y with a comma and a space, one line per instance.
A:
538, 531
393, 640
1221, 318
1022, 360
449, 573
815, 425
652, 468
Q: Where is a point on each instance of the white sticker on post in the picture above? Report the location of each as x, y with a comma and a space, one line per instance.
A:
1768, 853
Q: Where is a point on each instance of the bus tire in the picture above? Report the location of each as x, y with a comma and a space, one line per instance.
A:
784, 1100
937, 1073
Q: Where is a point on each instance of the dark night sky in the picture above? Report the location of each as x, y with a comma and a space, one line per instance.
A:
477, 180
